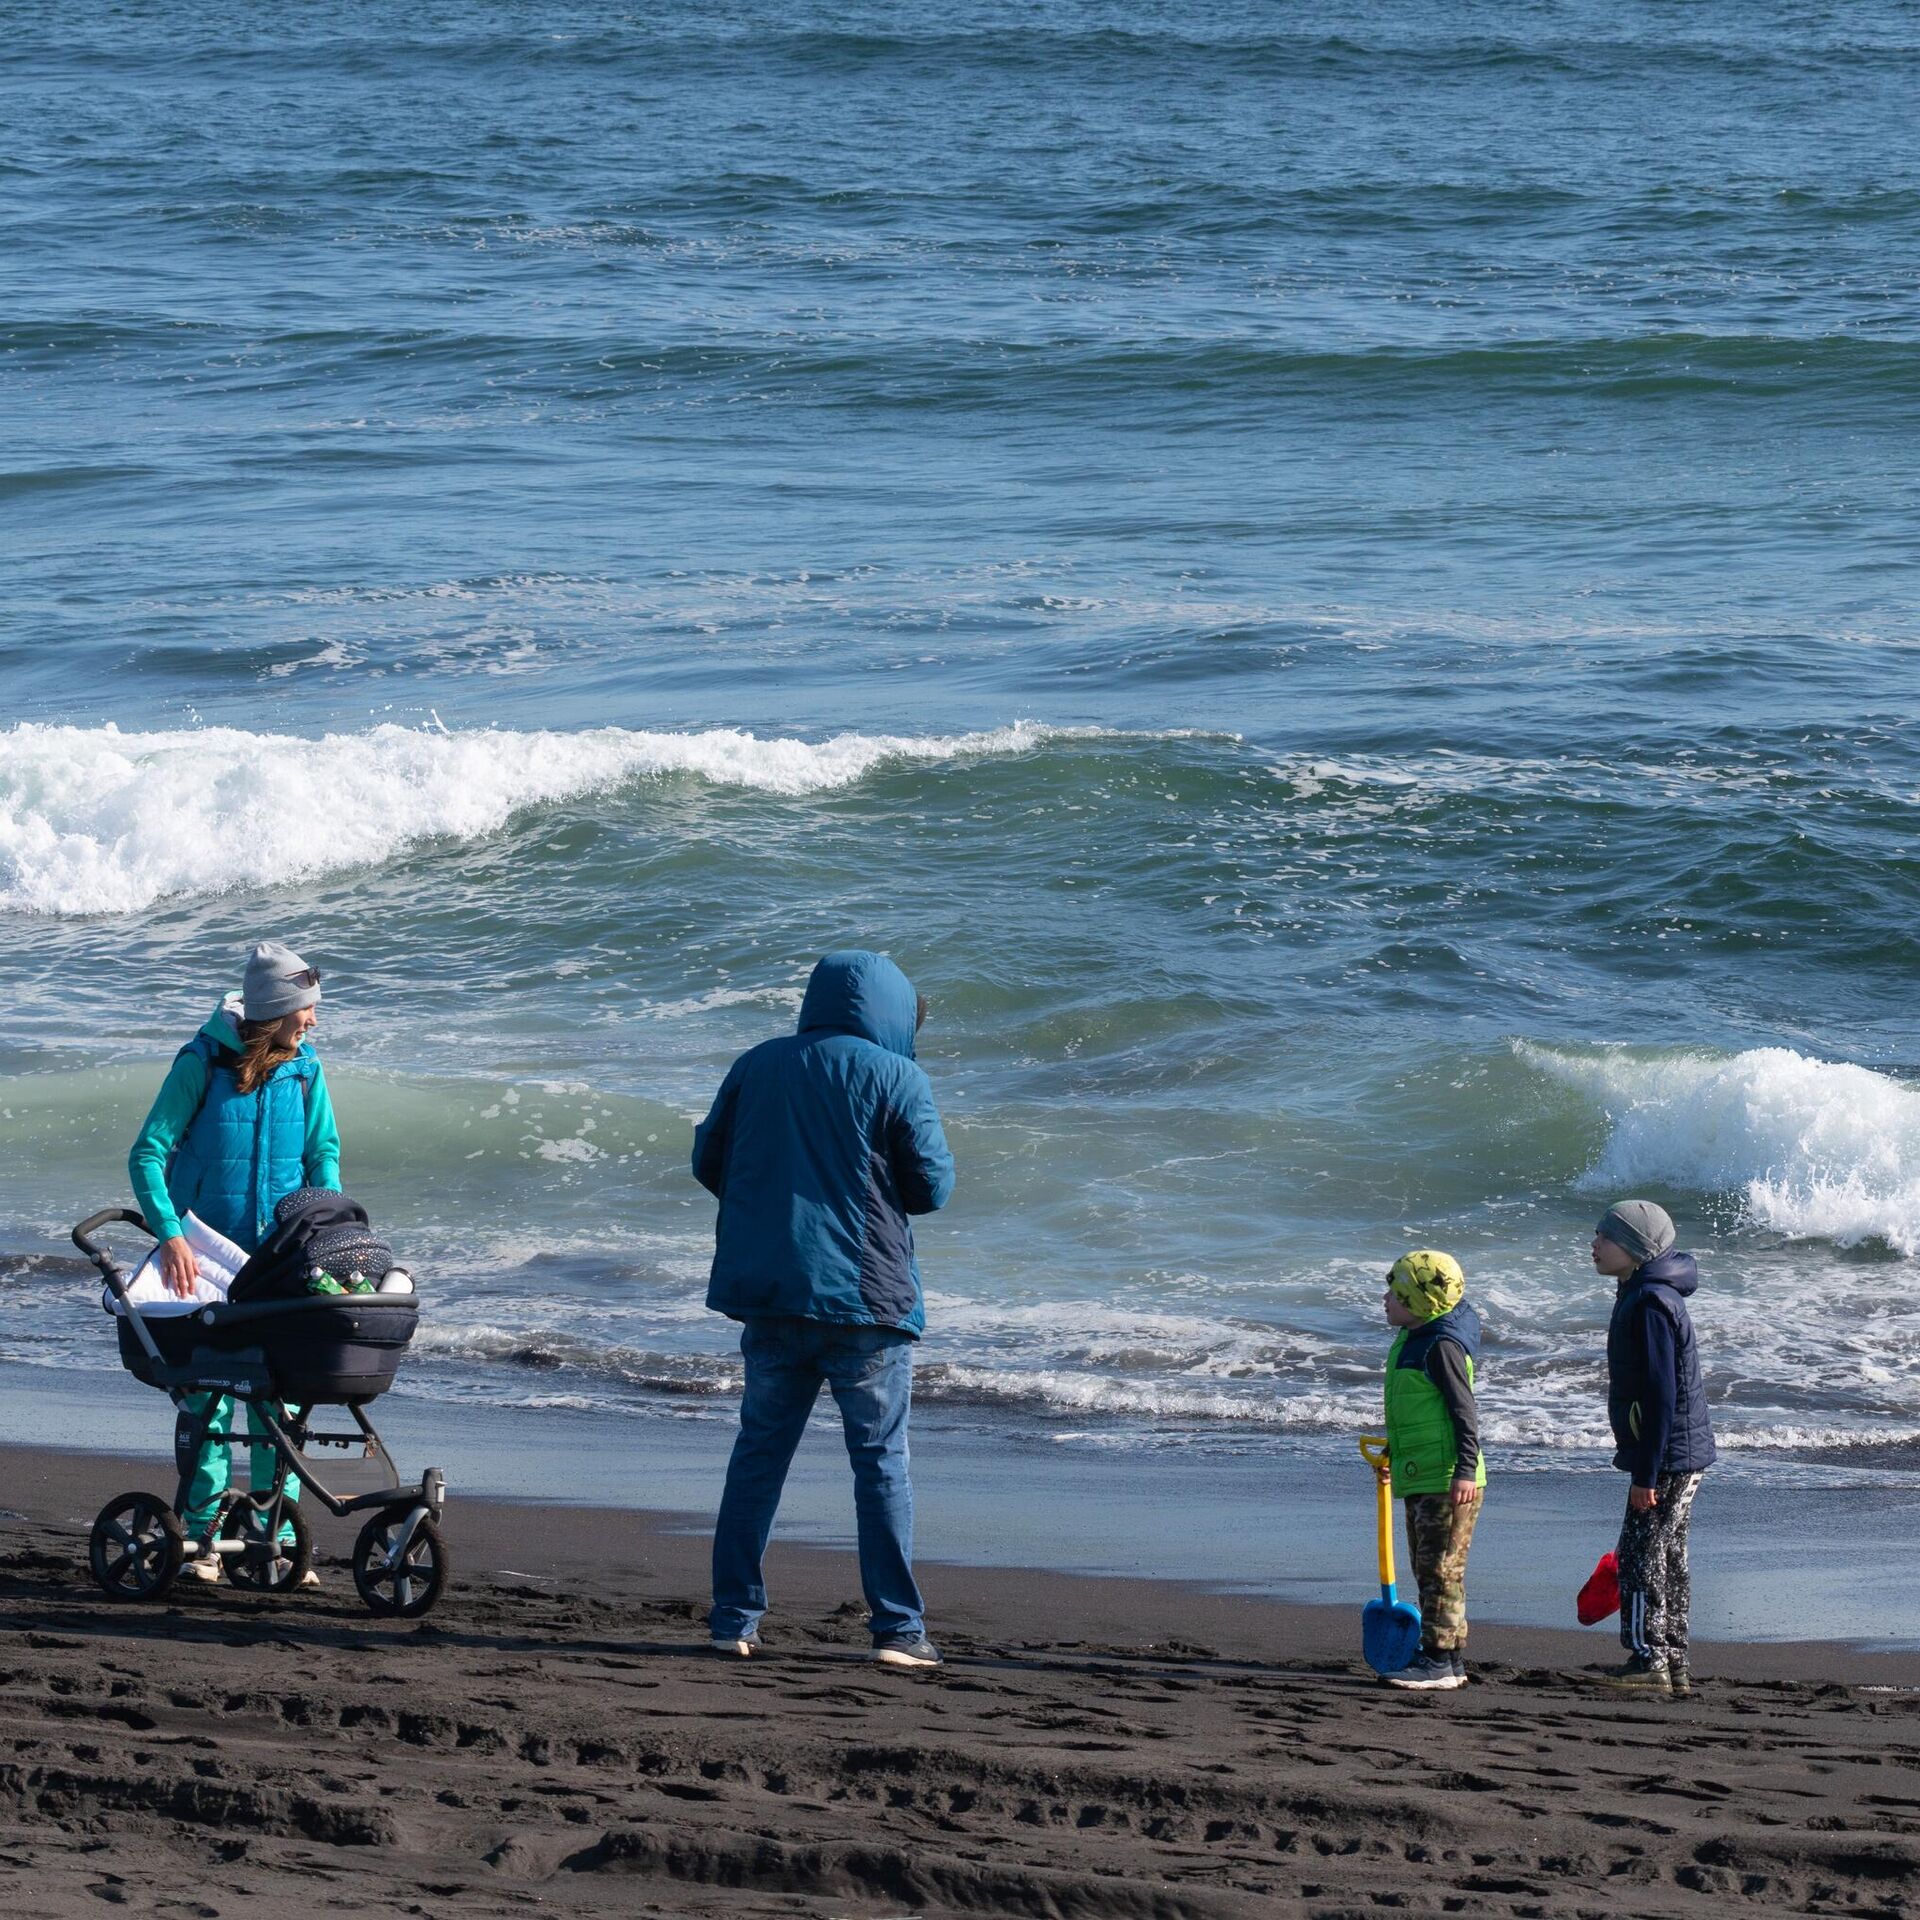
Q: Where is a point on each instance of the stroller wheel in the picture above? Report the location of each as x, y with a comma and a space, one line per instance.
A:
262, 1566
136, 1547
401, 1585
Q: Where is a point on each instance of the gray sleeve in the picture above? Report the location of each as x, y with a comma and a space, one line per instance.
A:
1447, 1369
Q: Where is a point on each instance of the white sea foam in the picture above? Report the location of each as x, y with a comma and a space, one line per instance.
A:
93, 820
787, 999
1070, 1390
1147, 1377
1525, 1417
1375, 785
1816, 1149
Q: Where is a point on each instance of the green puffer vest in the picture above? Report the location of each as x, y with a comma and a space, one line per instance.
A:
1419, 1433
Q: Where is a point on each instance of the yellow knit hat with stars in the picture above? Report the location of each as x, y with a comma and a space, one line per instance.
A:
1428, 1282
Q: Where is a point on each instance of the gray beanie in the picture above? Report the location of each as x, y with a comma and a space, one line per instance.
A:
1639, 1227
278, 982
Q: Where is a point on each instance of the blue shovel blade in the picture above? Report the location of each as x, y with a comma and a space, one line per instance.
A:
1389, 1632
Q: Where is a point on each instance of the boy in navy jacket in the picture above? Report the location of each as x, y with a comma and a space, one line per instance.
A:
1663, 1438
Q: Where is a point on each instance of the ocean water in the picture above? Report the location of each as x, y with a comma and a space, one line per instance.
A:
1337, 585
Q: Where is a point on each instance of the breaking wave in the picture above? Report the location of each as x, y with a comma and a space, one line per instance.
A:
1815, 1149
93, 820
546, 1351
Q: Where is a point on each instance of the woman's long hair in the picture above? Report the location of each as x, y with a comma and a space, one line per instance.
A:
262, 1048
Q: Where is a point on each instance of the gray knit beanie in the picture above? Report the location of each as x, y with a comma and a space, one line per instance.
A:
1638, 1227
278, 983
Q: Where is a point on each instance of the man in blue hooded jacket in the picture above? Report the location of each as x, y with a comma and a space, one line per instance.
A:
819, 1146
1663, 1438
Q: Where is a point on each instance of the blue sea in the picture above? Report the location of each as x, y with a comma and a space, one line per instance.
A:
1337, 584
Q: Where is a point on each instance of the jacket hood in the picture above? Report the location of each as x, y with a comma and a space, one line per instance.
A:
864, 994
1675, 1270
1459, 1323
222, 1025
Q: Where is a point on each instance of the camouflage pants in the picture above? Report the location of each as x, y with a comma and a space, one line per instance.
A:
1438, 1536
1655, 1586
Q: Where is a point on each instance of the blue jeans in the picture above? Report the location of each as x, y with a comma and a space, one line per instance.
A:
870, 1370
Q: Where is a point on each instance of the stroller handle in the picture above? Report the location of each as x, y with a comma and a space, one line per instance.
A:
101, 1258
109, 1269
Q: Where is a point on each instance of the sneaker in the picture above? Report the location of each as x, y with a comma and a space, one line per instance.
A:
205, 1565
1431, 1673
1679, 1680
906, 1650
1635, 1675
737, 1646
1459, 1660
308, 1579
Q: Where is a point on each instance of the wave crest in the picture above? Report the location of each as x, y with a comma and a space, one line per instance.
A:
1816, 1149
93, 820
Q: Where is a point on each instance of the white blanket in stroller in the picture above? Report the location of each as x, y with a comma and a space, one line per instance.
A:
220, 1259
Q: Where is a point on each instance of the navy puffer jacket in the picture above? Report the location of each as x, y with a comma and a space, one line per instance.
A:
1656, 1392
819, 1146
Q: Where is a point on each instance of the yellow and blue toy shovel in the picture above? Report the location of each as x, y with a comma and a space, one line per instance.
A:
1390, 1626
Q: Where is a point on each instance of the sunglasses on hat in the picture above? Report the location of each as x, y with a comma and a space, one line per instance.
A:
306, 977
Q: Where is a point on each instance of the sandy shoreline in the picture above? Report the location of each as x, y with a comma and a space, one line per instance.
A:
556, 1733
1779, 1554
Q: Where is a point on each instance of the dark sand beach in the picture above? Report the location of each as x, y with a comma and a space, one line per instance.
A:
558, 1736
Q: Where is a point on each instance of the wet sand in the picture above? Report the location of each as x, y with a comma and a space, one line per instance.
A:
1782, 1550
558, 1735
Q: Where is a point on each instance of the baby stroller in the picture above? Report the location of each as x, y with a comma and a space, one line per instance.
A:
282, 1358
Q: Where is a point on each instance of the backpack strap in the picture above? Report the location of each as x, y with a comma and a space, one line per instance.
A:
202, 1048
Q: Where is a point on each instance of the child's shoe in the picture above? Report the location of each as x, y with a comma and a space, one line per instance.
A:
205, 1565
1431, 1673
1638, 1674
1459, 1660
1679, 1680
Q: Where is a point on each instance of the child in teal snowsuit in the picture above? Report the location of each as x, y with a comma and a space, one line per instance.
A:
242, 1119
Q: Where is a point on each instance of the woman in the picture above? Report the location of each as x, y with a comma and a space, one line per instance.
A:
242, 1120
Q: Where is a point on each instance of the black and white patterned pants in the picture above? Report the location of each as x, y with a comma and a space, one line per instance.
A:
1655, 1589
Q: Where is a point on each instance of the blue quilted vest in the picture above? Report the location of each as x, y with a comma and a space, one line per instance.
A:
243, 1152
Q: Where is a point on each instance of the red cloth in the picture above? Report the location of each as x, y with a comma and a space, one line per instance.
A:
1601, 1595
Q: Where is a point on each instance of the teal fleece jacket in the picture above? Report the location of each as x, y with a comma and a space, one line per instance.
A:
181, 1096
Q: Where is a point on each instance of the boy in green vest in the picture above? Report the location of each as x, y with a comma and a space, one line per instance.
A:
1433, 1443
